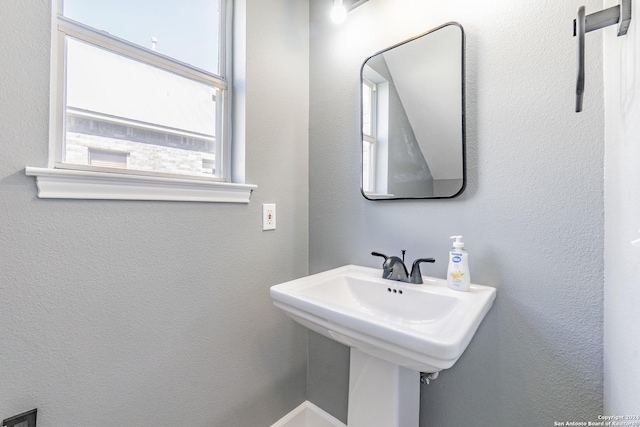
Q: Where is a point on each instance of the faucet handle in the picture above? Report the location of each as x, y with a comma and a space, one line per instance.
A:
416, 274
380, 255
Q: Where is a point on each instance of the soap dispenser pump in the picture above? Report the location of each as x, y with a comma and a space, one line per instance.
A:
458, 277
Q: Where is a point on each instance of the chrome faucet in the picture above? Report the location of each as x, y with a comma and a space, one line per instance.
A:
393, 268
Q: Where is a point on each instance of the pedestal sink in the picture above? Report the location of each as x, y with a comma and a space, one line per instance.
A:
395, 330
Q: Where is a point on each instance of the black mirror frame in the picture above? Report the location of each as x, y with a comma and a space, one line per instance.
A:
463, 118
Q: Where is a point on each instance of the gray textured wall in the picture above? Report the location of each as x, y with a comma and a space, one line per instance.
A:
622, 213
532, 214
153, 313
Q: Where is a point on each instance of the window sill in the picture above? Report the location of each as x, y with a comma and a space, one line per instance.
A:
77, 184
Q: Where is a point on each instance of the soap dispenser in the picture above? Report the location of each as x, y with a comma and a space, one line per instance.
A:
458, 277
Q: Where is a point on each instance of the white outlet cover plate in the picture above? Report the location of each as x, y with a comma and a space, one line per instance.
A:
269, 216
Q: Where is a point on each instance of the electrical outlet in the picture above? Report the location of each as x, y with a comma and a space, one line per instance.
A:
269, 216
28, 417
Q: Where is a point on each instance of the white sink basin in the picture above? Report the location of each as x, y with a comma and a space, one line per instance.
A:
423, 327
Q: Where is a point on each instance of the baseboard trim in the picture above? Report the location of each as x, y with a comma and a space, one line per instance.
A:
308, 415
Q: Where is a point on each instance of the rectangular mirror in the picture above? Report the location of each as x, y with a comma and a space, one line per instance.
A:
413, 124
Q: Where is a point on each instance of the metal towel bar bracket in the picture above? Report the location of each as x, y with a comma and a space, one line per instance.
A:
619, 14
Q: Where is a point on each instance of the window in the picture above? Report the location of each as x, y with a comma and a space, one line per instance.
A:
368, 136
139, 88
375, 133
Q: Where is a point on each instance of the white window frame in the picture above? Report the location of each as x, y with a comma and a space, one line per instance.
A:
59, 180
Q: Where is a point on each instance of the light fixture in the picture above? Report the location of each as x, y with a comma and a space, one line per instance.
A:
341, 7
338, 12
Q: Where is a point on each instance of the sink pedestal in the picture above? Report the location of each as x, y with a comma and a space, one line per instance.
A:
382, 394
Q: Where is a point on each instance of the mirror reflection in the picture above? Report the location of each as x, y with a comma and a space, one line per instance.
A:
413, 136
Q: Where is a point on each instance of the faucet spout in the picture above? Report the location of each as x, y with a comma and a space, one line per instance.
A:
394, 269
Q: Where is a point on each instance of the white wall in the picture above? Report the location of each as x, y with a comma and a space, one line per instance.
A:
154, 313
622, 220
532, 214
